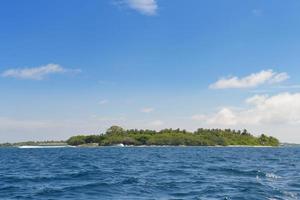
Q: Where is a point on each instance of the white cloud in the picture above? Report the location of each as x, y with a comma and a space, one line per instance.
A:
36, 73
147, 110
279, 77
104, 101
256, 99
146, 7
251, 81
280, 109
224, 117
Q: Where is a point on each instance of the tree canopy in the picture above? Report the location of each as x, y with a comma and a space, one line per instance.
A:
201, 137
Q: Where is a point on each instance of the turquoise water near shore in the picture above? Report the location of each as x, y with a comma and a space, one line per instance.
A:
150, 173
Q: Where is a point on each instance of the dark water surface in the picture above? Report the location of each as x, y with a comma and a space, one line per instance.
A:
150, 173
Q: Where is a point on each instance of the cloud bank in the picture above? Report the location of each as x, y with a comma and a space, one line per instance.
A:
279, 109
251, 81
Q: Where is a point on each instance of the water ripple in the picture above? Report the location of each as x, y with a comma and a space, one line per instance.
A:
150, 173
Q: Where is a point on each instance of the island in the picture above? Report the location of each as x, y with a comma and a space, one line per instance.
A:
116, 135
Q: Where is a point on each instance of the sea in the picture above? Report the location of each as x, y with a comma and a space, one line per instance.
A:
150, 173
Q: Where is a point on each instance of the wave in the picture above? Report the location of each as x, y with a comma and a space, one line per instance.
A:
152, 173
272, 176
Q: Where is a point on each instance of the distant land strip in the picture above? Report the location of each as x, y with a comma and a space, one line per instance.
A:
116, 135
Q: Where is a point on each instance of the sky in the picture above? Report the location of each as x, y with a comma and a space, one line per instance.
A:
77, 67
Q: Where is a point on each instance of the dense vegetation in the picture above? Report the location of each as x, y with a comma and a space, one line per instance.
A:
201, 137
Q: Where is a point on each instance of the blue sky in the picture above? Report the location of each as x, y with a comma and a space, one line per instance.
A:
70, 67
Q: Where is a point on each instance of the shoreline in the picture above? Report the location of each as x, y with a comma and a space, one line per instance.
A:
141, 146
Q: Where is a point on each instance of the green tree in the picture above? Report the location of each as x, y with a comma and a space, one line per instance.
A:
115, 130
76, 140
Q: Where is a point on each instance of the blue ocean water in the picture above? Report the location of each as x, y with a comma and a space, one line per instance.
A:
150, 173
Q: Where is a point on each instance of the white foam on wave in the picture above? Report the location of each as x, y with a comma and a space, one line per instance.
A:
273, 176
